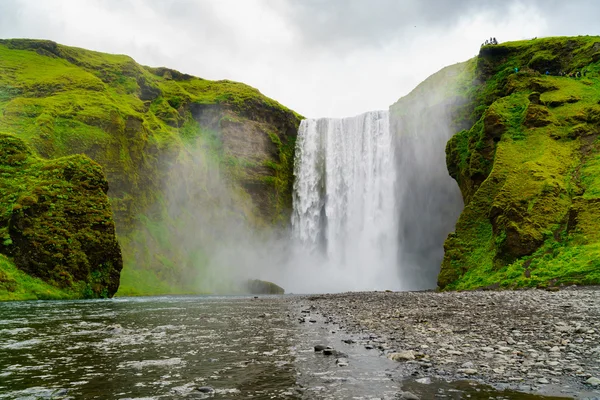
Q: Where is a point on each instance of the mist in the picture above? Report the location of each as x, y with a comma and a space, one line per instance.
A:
429, 199
372, 205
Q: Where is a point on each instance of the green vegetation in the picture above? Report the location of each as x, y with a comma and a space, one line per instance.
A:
141, 125
528, 169
56, 225
17, 285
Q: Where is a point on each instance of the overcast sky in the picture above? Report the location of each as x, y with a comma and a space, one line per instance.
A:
318, 57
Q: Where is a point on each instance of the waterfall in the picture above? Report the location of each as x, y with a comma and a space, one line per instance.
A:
345, 216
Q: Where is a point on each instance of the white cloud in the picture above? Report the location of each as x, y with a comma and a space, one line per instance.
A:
311, 56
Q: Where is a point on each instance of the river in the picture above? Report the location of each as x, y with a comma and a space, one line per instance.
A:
169, 347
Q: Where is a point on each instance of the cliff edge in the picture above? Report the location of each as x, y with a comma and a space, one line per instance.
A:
528, 168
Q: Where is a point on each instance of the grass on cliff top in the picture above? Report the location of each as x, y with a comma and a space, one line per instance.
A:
66, 100
17, 285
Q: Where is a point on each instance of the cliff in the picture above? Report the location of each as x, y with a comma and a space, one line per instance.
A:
147, 128
428, 198
528, 167
56, 227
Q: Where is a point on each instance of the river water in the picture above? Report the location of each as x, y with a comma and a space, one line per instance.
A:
168, 347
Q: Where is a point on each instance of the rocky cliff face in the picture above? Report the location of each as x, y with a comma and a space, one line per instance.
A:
56, 225
143, 125
528, 168
429, 201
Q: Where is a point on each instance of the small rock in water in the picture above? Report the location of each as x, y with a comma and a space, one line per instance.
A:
402, 356
115, 328
348, 341
320, 347
369, 347
205, 389
328, 351
424, 381
543, 381
341, 362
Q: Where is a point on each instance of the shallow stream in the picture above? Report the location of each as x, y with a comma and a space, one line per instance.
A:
168, 347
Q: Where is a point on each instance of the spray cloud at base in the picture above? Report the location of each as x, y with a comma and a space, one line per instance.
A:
372, 205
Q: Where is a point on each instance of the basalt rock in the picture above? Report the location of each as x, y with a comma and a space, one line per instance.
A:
256, 286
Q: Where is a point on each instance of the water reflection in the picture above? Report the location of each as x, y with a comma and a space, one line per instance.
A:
159, 347
168, 347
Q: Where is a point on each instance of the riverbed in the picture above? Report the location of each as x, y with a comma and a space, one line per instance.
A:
245, 347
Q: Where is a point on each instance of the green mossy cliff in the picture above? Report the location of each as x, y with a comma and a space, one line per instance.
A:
56, 227
142, 125
528, 168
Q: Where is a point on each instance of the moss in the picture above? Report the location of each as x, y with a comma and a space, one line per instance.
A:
256, 286
528, 170
55, 220
137, 122
17, 285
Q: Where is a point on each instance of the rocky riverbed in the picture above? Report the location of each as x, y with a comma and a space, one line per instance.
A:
538, 341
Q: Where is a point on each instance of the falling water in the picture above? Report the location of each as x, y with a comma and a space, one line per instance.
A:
344, 201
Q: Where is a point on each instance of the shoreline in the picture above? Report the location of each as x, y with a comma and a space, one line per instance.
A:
531, 341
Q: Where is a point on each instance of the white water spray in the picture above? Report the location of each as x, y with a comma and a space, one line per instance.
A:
345, 213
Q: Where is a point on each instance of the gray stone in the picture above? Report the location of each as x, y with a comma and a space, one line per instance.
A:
467, 371
341, 362
405, 355
593, 381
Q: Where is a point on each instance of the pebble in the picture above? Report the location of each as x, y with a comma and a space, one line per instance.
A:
115, 328
402, 356
519, 338
341, 362
205, 389
467, 371
593, 381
